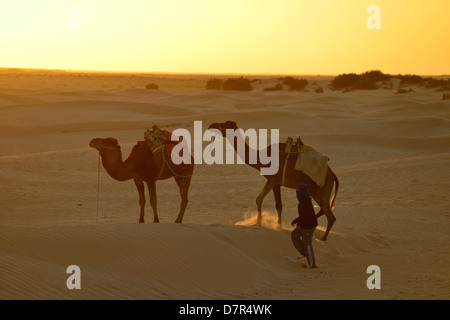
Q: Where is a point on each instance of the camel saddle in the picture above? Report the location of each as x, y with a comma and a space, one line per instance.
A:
157, 139
160, 141
311, 162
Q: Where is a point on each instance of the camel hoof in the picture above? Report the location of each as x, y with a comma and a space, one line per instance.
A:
177, 221
155, 221
141, 220
324, 239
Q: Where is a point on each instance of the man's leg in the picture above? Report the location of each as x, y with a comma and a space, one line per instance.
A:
295, 236
307, 236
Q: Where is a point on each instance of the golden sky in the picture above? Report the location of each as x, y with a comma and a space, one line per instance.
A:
226, 36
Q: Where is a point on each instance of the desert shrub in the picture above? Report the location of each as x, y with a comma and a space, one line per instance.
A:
364, 81
298, 84
319, 90
368, 80
376, 75
286, 80
152, 86
237, 84
346, 80
444, 84
410, 79
214, 84
278, 87
294, 84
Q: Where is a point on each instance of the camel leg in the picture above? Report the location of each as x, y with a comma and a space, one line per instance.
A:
331, 219
320, 213
259, 200
141, 190
183, 185
278, 205
153, 202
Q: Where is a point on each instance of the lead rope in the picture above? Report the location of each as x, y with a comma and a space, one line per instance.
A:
98, 187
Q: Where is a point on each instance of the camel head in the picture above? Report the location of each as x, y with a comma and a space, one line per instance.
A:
102, 144
223, 126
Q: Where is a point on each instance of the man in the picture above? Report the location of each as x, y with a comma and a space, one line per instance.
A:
306, 223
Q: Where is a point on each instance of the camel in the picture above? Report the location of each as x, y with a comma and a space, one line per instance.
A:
144, 167
292, 178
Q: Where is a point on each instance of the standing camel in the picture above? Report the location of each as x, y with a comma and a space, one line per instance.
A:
143, 166
292, 178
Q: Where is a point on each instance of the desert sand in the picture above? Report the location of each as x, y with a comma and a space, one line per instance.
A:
391, 153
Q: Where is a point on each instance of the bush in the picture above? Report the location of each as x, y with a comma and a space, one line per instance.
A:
278, 87
346, 80
319, 90
410, 79
364, 81
214, 84
152, 86
368, 80
437, 83
376, 75
237, 84
426, 82
294, 84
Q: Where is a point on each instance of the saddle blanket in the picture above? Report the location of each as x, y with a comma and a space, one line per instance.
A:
312, 163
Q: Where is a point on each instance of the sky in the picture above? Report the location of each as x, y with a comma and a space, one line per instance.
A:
227, 36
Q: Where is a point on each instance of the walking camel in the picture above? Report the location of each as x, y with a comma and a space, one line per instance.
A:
144, 167
292, 178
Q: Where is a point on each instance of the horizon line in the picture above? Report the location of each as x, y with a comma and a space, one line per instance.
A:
196, 73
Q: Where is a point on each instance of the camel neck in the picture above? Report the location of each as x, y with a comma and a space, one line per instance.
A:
239, 139
114, 165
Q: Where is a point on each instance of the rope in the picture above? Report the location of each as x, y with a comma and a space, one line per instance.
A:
98, 187
165, 161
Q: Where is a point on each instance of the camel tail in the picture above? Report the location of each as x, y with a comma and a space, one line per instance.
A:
333, 200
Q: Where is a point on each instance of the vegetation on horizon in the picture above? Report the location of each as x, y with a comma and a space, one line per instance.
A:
230, 84
369, 80
294, 84
152, 86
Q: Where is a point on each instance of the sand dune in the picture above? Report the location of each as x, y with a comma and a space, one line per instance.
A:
389, 151
162, 261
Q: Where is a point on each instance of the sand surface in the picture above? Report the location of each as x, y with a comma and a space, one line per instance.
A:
391, 153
